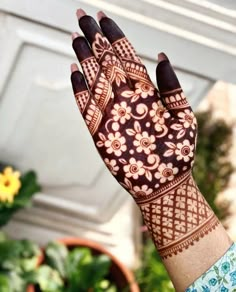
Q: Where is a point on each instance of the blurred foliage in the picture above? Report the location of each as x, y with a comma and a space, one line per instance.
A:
73, 270
212, 167
18, 261
29, 186
212, 170
152, 275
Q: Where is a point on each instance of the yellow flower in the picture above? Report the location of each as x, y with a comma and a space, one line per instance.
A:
9, 184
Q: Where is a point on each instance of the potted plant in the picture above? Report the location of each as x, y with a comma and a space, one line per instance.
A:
75, 264
16, 191
18, 262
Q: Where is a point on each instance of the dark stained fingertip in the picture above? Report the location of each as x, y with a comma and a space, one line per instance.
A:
81, 48
74, 35
166, 77
162, 57
89, 27
80, 13
78, 82
110, 29
74, 67
101, 15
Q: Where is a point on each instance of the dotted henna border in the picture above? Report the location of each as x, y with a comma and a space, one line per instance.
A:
175, 248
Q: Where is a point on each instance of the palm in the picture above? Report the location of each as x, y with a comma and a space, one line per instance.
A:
143, 145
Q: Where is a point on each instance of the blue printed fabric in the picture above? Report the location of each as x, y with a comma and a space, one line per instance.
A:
221, 277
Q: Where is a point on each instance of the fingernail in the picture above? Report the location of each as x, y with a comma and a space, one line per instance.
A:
80, 13
75, 35
101, 15
162, 57
74, 67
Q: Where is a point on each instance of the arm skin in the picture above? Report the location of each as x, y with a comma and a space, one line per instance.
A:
147, 139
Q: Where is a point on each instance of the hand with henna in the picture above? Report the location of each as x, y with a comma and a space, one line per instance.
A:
147, 139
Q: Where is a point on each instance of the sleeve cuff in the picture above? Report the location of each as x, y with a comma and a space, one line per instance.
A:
221, 277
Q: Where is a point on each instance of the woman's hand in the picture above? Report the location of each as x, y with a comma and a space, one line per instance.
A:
145, 137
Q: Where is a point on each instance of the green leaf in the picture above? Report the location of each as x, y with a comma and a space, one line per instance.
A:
17, 283
56, 254
4, 283
216, 269
18, 255
48, 279
85, 271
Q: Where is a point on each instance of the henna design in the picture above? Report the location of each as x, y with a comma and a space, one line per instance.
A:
90, 111
178, 218
175, 99
125, 50
90, 68
146, 139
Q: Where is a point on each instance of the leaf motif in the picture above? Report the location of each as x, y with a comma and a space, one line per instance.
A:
176, 127
135, 97
100, 144
128, 183
117, 80
168, 153
123, 161
130, 132
170, 145
102, 137
181, 134
127, 93
148, 175
137, 126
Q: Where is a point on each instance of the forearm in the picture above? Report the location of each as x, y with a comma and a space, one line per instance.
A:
185, 230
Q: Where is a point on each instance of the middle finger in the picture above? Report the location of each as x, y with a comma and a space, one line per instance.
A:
102, 50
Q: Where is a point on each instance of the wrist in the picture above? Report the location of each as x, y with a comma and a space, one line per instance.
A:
177, 216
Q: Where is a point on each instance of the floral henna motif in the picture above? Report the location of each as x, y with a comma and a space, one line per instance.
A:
109, 62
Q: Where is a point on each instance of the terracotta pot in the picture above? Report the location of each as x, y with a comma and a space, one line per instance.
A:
119, 273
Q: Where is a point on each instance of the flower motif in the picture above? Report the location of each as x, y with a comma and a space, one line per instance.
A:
100, 45
121, 112
212, 282
180, 214
180, 226
134, 169
187, 119
166, 172
9, 184
115, 144
225, 267
144, 89
184, 151
112, 166
144, 142
159, 113
233, 278
113, 69
192, 205
141, 191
